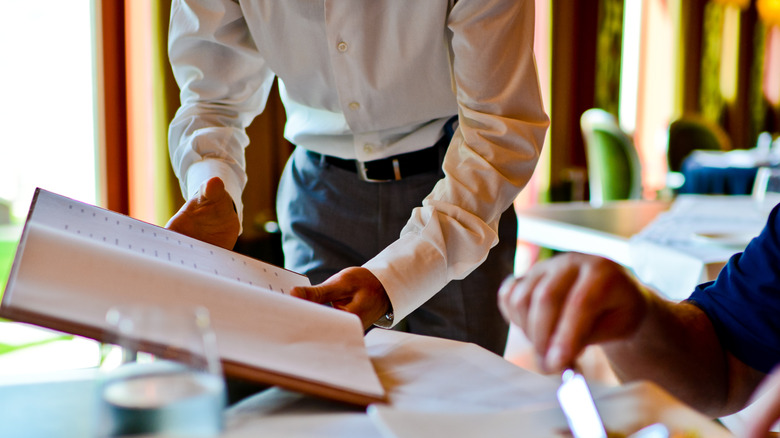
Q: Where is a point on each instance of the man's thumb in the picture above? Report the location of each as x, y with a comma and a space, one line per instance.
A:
319, 294
212, 188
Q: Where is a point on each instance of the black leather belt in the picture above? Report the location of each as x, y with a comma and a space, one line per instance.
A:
392, 168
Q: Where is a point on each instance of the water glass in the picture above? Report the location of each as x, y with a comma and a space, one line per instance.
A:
161, 375
766, 188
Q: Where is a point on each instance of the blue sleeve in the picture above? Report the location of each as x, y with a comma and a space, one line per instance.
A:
743, 303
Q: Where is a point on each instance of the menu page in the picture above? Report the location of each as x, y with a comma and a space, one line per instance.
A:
126, 233
73, 267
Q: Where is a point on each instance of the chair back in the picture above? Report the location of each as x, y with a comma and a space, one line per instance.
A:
692, 132
614, 172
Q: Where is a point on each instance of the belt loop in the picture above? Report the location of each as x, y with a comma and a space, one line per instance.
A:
396, 169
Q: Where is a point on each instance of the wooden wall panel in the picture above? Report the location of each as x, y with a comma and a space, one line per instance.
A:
112, 105
574, 24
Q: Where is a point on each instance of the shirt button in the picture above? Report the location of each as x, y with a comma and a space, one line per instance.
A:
342, 46
354, 106
368, 148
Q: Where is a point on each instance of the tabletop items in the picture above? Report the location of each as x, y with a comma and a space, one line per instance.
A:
690, 243
438, 387
178, 392
435, 387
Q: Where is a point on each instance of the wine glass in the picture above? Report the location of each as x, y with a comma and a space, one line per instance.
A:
766, 188
161, 375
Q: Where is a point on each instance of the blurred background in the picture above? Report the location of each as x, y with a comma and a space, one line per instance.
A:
632, 88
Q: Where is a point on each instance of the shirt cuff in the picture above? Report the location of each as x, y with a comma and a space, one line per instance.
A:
387, 320
412, 271
202, 171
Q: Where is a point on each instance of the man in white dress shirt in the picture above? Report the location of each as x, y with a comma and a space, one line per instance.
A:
416, 124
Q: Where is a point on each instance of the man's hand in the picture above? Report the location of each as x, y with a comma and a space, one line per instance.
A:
210, 217
570, 301
355, 290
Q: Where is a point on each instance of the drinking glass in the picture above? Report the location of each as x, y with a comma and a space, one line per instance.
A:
161, 375
766, 188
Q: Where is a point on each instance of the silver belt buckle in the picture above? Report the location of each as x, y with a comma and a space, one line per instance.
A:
361, 170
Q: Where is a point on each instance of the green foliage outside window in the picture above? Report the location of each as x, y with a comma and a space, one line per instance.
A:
757, 101
711, 100
608, 55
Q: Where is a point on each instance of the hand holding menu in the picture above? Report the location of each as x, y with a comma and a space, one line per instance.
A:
75, 261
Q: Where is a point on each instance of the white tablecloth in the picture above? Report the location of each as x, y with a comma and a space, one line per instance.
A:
688, 244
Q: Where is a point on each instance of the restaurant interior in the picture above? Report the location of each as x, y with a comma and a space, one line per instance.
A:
652, 104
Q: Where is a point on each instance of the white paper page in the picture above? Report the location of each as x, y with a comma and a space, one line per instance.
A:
429, 373
624, 410
422, 375
113, 229
75, 279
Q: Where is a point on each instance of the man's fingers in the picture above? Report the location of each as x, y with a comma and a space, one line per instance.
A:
509, 295
308, 293
323, 293
355, 290
517, 301
213, 189
604, 305
576, 322
549, 299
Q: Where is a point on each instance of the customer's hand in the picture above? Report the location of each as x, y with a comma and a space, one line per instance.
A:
570, 301
211, 216
355, 290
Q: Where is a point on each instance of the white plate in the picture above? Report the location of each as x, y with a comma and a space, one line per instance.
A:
624, 410
737, 240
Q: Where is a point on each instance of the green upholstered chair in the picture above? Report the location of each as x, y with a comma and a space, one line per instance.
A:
692, 132
686, 134
614, 172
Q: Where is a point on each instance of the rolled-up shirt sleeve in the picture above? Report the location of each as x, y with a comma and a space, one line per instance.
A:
224, 84
491, 157
743, 303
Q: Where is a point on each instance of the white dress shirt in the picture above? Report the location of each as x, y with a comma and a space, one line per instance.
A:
367, 79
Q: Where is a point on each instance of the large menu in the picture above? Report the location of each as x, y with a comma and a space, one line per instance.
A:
76, 261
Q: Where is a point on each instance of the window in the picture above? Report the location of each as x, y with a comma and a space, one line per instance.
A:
47, 116
48, 140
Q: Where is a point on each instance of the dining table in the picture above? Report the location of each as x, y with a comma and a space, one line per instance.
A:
725, 172
435, 387
671, 245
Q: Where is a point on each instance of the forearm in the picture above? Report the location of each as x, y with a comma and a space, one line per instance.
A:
224, 84
676, 347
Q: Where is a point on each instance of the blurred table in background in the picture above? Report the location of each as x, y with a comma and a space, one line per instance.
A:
723, 173
671, 246
691, 242
581, 227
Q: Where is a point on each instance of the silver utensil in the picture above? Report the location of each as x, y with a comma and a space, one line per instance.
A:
578, 407
582, 415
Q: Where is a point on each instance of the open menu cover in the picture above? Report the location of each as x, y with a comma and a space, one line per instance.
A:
75, 261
